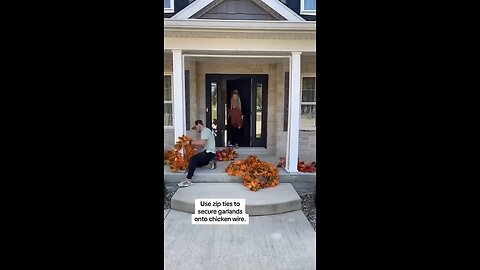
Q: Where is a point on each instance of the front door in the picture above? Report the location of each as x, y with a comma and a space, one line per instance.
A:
253, 91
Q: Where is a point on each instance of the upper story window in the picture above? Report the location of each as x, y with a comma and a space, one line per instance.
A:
308, 7
168, 6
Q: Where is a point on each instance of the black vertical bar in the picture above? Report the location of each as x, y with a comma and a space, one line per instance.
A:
265, 112
220, 112
253, 111
285, 102
208, 97
187, 98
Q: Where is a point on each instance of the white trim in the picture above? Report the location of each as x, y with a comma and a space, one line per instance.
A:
175, 23
304, 11
293, 132
283, 10
184, 100
170, 9
247, 50
280, 8
237, 56
191, 9
178, 94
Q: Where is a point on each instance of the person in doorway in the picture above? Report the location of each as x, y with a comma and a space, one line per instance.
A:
203, 158
236, 118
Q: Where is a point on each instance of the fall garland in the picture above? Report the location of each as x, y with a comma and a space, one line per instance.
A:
226, 154
256, 174
178, 158
301, 166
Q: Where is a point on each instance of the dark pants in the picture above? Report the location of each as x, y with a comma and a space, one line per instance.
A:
235, 135
199, 160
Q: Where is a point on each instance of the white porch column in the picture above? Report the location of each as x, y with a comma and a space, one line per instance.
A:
293, 114
178, 95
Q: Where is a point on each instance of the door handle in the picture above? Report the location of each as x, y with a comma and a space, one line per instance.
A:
207, 109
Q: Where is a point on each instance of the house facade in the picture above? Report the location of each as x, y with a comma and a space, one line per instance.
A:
264, 49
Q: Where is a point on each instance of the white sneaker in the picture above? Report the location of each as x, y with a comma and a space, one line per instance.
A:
213, 164
185, 183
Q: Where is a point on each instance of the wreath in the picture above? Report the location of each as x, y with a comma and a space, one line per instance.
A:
256, 174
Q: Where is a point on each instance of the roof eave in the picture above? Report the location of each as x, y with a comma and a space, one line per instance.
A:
170, 23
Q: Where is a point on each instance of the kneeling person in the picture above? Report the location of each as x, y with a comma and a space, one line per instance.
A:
206, 157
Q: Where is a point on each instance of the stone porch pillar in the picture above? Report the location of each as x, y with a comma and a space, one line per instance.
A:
293, 131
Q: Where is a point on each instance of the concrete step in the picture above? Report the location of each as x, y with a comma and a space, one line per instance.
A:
280, 199
203, 175
257, 151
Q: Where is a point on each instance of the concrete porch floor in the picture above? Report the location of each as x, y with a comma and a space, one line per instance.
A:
302, 182
222, 165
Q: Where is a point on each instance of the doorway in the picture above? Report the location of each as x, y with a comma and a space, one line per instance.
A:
253, 90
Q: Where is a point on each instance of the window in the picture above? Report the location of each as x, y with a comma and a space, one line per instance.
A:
167, 101
308, 105
168, 6
308, 7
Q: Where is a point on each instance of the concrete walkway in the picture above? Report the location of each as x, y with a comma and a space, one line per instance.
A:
273, 242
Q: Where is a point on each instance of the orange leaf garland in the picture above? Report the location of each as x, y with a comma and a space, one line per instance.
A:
168, 157
226, 154
178, 158
256, 174
301, 166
